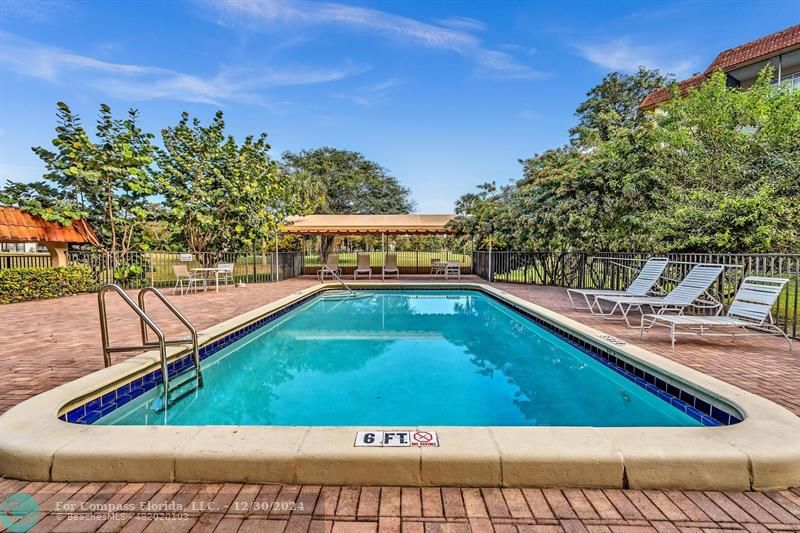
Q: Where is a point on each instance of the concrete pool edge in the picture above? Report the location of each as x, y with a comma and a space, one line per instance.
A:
761, 452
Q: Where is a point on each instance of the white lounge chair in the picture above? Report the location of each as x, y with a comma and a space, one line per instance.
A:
641, 286
452, 268
437, 266
363, 266
686, 293
751, 310
183, 274
390, 266
331, 267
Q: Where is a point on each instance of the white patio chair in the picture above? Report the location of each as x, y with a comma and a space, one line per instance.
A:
390, 266
751, 310
452, 268
183, 274
225, 273
686, 293
641, 286
363, 266
437, 266
331, 267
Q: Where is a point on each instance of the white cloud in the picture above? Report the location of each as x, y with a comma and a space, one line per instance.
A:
622, 54
463, 23
368, 96
37, 10
142, 82
254, 14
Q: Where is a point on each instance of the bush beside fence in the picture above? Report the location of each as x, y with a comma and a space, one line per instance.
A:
615, 271
24, 284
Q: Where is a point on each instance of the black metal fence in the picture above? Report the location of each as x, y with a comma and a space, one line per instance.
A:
10, 260
615, 271
140, 269
408, 262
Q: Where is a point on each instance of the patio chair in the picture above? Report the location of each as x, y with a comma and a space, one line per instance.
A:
331, 266
390, 266
183, 274
225, 273
363, 266
751, 310
452, 268
437, 266
687, 293
641, 286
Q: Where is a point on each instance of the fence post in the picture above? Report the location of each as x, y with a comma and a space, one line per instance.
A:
254, 262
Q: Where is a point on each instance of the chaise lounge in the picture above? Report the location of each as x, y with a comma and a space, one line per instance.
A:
751, 310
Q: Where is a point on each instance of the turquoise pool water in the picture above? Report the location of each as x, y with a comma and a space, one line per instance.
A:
406, 358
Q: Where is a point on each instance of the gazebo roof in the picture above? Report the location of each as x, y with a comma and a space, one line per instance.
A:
369, 225
18, 226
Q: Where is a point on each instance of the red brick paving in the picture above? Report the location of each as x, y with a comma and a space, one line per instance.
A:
48, 343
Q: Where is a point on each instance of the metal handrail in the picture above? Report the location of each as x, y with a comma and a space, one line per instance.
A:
179, 316
337, 278
108, 350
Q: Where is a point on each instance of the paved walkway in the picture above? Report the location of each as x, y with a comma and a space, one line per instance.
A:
176, 507
50, 342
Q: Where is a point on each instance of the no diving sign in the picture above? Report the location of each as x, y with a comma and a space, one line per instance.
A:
396, 438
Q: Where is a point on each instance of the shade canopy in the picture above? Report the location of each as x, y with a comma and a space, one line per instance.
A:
369, 225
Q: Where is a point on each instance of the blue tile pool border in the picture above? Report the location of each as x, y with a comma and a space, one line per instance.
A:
694, 406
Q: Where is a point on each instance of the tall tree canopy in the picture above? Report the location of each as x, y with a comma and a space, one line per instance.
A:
220, 195
349, 183
716, 170
106, 180
613, 104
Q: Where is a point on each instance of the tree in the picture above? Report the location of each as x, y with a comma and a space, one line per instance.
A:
106, 181
732, 159
347, 183
220, 195
614, 104
486, 215
715, 170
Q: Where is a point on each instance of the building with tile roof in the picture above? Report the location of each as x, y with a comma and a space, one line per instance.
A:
743, 63
16, 226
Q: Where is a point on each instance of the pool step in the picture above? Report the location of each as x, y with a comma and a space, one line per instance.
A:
180, 388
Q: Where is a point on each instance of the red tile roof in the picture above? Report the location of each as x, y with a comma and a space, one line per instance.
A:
18, 226
755, 50
662, 95
751, 52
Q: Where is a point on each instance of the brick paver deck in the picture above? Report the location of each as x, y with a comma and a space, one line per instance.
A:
48, 343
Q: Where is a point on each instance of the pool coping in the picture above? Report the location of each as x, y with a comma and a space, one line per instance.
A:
760, 452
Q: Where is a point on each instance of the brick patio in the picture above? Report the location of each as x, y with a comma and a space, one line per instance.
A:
48, 343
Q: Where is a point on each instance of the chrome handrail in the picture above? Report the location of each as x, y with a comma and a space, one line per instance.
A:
179, 316
327, 269
108, 349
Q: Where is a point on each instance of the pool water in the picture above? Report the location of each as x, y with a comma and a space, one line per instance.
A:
406, 358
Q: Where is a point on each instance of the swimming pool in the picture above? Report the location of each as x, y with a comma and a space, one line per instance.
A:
406, 358
520, 364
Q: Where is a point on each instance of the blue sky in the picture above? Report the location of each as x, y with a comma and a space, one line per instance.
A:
444, 94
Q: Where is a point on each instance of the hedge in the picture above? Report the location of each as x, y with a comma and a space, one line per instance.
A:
24, 284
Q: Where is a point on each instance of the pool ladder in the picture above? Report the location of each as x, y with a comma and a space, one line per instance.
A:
335, 276
146, 322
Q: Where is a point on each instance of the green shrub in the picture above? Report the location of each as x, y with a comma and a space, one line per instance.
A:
24, 284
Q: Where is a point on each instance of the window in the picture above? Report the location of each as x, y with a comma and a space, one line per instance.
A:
790, 81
